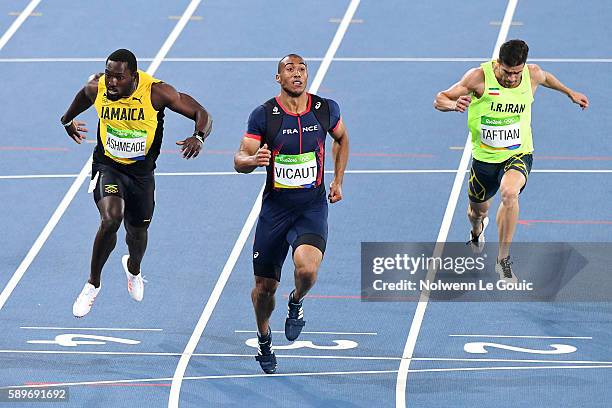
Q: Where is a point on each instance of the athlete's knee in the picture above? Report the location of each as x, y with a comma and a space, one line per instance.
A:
264, 288
306, 272
509, 196
478, 211
110, 223
135, 233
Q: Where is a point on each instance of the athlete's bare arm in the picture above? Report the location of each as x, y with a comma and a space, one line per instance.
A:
250, 155
164, 95
82, 101
458, 97
541, 77
340, 153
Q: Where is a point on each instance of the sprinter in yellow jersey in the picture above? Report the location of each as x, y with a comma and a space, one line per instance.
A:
130, 106
499, 95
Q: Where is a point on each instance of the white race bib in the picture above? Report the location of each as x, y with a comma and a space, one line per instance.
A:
501, 133
125, 143
295, 170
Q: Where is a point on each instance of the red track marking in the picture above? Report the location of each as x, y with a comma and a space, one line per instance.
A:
569, 222
33, 149
412, 155
205, 151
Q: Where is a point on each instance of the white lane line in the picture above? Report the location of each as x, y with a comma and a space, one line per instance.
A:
364, 171
44, 234
207, 377
86, 328
417, 320
305, 357
339, 59
314, 332
173, 399
506, 360
505, 27
6, 292
178, 28
76, 185
514, 368
520, 337
177, 379
310, 374
18, 22
37, 176
333, 47
208, 355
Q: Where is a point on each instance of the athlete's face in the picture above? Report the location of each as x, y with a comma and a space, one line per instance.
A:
509, 77
293, 76
119, 80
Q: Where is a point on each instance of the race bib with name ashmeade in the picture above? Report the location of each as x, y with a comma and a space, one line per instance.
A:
125, 143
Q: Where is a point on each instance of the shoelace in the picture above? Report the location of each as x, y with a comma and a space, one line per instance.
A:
264, 348
506, 268
294, 310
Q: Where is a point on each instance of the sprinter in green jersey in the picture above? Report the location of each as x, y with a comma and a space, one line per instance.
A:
499, 94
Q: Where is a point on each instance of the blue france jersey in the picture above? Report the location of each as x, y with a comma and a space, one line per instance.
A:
298, 149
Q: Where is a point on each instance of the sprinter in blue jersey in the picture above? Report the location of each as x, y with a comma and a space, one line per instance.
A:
287, 135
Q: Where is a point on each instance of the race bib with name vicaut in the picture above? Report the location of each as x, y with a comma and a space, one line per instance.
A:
125, 143
501, 133
295, 170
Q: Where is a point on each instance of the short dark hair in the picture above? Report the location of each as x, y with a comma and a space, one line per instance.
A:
123, 55
513, 53
288, 55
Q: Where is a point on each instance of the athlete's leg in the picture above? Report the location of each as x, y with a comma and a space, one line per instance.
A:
136, 239
476, 213
507, 215
111, 213
262, 297
307, 259
139, 208
482, 186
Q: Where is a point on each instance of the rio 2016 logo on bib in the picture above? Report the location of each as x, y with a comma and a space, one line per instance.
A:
126, 143
295, 170
500, 133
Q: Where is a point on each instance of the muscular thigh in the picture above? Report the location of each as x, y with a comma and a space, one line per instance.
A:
138, 193
484, 180
516, 171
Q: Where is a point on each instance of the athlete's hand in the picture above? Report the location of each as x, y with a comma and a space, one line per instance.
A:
190, 147
335, 192
263, 155
74, 131
579, 99
462, 103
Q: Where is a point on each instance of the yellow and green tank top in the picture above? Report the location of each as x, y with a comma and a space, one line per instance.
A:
129, 129
500, 120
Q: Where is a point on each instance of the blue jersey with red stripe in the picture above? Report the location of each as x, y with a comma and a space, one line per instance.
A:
298, 148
